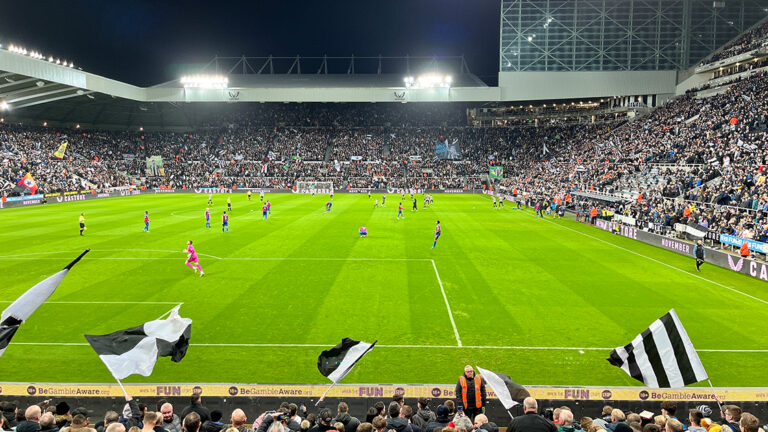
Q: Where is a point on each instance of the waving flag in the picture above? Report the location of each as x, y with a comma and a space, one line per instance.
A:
662, 356
28, 182
338, 361
509, 392
62, 148
20, 310
136, 350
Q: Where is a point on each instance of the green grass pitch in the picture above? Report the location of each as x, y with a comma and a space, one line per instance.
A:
543, 301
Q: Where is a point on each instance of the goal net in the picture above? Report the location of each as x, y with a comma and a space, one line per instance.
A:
314, 187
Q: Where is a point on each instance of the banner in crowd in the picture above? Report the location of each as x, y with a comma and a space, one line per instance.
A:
379, 391
60, 152
356, 158
496, 172
28, 182
155, 166
754, 246
445, 150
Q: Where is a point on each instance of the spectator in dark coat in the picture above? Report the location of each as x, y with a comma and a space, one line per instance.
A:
350, 423
424, 415
214, 424
395, 421
441, 421
196, 405
531, 421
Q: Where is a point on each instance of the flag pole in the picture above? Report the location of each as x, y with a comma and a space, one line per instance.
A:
719, 404
121, 386
324, 393
510, 415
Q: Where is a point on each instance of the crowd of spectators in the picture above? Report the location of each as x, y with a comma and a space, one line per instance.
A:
395, 416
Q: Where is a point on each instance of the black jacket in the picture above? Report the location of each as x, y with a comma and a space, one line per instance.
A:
422, 418
439, 422
489, 427
211, 426
399, 424
199, 409
27, 426
350, 423
531, 422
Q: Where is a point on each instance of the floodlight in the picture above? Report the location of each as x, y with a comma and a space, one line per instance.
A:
3, 105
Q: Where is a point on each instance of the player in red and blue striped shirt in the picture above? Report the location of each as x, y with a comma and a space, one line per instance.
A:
437, 234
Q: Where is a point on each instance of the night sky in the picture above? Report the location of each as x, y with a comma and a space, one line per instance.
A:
149, 42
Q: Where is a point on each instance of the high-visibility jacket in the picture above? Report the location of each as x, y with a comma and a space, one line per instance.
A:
478, 396
744, 249
593, 213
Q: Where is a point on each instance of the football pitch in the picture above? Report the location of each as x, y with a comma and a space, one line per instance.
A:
543, 301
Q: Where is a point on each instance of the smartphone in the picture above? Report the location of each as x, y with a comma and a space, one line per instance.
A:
460, 409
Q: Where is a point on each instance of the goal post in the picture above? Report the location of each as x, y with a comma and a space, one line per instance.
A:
314, 187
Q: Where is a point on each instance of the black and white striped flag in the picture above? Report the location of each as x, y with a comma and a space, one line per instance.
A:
509, 392
136, 350
662, 356
336, 362
20, 310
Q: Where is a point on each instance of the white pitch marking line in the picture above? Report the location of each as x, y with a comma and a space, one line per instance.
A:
276, 345
163, 315
656, 261
99, 302
26, 257
447, 305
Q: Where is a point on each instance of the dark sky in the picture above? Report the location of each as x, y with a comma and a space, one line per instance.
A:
148, 42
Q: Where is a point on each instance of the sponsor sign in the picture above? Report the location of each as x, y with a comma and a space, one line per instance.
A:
758, 270
377, 391
129, 192
754, 246
24, 198
453, 191
157, 190
315, 191
209, 190
68, 198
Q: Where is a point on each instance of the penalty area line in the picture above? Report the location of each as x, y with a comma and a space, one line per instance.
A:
447, 305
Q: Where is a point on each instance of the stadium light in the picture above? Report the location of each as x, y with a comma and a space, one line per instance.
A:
3, 106
205, 81
428, 81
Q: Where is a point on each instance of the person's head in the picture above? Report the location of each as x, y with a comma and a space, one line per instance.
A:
423, 403
731, 413
530, 405
607, 410
216, 416
33, 413
304, 426
468, 371
325, 416
365, 427
617, 415
195, 398
566, 417
556, 415
189, 243
651, 427
238, 418
585, 423
480, 420
462, 424
406, 412
111, 417
634, 418
700, 242
398, 397
371, 414
669, 408
46, 421
192, 422
749, 423
78, 422
276, 427
116, 427
379, 423
150, 419
339, 426
380, 408
343, 408
661, 421
166, 410
394, 409
673, 425
451, 405
160, 404
134, 429
695, 416
293, 409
